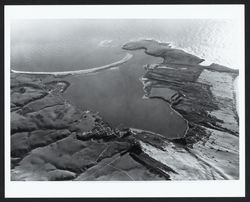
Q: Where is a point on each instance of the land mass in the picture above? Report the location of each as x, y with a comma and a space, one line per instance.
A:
53, 140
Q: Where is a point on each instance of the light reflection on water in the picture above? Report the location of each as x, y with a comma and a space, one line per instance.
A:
54, 45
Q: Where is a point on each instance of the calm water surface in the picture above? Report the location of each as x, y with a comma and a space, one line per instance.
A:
61, 45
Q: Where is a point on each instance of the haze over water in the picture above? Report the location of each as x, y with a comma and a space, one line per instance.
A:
63, 45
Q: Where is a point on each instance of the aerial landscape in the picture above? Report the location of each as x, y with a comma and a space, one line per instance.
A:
95, 102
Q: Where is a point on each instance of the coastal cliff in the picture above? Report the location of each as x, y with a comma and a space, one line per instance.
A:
53, 140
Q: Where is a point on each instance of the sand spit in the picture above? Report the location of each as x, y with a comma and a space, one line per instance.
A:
76, 72
51, 139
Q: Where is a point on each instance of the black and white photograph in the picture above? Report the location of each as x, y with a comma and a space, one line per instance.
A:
125, 98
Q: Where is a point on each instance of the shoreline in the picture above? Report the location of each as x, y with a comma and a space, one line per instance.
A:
203, 97
127, 57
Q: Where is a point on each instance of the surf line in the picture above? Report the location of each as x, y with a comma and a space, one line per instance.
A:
127, 57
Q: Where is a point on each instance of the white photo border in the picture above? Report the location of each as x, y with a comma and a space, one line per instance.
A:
72, 189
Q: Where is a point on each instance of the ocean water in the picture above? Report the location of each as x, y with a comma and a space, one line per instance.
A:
64, 45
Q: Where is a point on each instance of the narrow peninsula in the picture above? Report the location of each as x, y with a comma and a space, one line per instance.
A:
51, 139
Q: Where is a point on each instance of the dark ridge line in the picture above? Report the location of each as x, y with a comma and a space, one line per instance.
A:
136, 151
150, 166
30, 148
31, 100
49, 106
26, 84
175, 82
